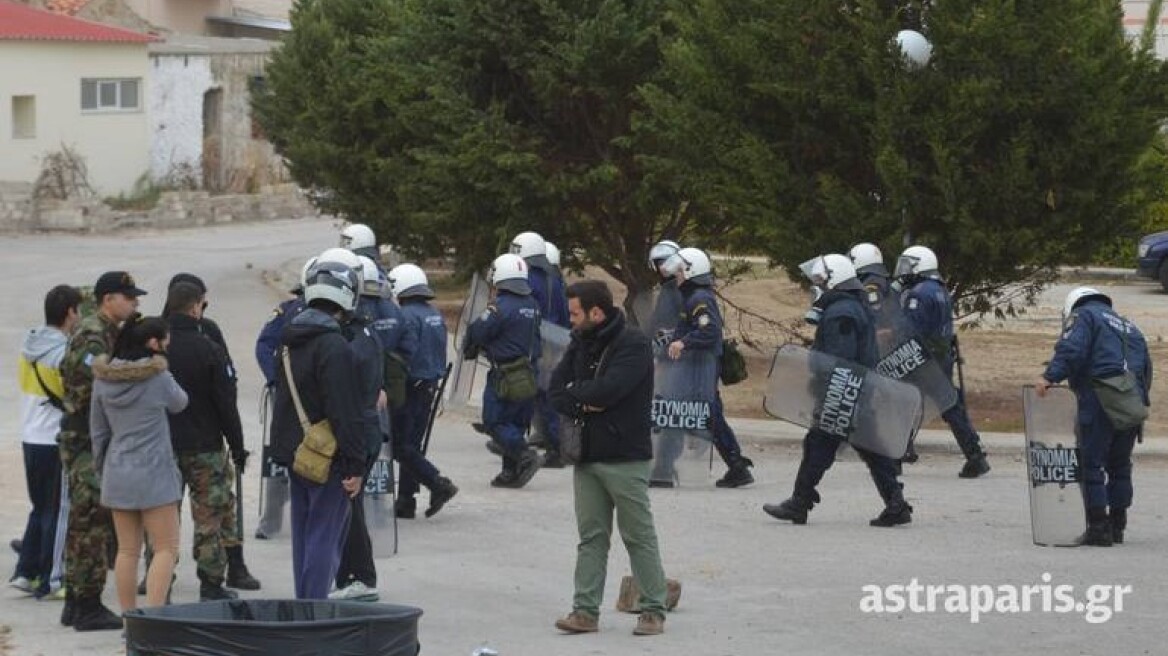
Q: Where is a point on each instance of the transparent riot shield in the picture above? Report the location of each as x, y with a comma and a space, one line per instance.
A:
380, 520
682, 418
910, 362
1058, 517
657, 313
468, 375
553, 344
274, 510
843, 399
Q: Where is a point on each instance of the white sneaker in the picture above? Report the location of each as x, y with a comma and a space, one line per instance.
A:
21, 583
355, 591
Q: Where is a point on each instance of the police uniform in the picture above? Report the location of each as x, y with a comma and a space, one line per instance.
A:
1099, 343
699, 328
507, 331
928, 315
847, 331
547, 288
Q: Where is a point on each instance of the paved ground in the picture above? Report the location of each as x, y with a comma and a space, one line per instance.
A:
495, 567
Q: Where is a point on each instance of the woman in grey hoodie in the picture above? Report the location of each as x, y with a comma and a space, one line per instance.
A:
140, 482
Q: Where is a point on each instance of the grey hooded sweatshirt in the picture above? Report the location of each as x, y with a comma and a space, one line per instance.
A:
131, 435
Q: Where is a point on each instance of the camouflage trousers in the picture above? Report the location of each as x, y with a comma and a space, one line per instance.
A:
91, 529
211, 479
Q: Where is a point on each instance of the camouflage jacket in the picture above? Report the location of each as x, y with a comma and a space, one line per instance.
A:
94, 336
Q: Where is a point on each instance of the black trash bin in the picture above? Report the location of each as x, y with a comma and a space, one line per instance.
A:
273, 626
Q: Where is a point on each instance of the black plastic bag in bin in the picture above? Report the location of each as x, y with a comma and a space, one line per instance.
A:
273, 626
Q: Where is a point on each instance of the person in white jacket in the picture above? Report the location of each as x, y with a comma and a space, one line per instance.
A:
41, 410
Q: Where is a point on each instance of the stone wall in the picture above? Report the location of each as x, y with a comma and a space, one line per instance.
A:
175, 209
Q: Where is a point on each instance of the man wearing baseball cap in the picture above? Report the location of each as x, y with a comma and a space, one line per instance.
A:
90, 525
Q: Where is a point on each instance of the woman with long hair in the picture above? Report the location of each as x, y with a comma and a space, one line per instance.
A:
140, 483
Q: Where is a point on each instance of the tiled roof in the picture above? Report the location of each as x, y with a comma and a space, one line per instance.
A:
19, 22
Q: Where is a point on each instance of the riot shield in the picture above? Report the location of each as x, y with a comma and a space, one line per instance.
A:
1058, 517
682, 418
657, 313
467, 375
380, 520
553, 344
273, 503
910, 362
843, 399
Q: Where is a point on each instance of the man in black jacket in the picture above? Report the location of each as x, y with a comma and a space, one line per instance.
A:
605, 383
201, 368
324, 373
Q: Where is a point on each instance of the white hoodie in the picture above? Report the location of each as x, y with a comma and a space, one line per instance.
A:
40, 421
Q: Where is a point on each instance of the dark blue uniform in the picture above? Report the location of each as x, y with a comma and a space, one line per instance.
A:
426, 329
700, 328
268, 343
1092, 346
847, 331
928, 315
547, 288
506, 331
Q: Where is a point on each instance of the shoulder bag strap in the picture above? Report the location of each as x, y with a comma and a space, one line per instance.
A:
54, 400
286, 356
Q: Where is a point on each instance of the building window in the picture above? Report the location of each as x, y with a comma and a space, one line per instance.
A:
110, 95
24, 117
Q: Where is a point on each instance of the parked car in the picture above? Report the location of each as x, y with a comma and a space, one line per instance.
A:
1152, 259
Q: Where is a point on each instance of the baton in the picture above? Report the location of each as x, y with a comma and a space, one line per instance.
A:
239, 503
265, 400
435, 405
960, 367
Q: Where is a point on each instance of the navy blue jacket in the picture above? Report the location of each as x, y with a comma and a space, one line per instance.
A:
1092, 346
700, 325
548, 290
388, 324
370, 375
427, 329
928, 315
268, 343
847, 328
508, 329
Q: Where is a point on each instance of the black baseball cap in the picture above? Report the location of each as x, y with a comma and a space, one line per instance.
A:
116, 282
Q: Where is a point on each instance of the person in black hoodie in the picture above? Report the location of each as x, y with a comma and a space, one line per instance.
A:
324, 373
605, 383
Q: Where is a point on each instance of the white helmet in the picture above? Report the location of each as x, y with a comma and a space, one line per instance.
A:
332, 281
304, 271
509, 272
358, 235
692, 263
553, 253
1080, 294
372, 282
409, 280
916, 260
340, 256
662, 251
829, 271
866, 255
528, 244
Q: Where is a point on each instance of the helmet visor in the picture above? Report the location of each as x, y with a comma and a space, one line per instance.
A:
815, 270
905, 265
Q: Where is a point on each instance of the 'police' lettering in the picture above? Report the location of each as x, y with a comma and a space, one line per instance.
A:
380, 478
681, 415
840, 402
903, 360
1056, 464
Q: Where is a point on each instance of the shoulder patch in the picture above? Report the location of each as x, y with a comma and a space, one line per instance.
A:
913, 303
703, 321
1069, 325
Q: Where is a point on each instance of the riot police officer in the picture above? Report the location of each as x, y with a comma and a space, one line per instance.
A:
426, 368
659, 326
699, 327
928, 315
359, 238
1098, 343
508, 332
844, 329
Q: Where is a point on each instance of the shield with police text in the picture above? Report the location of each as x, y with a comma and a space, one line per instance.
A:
274, 494
378, 505
682, 416
910, 362
553, 341
1058, 516
843, 399
467, 376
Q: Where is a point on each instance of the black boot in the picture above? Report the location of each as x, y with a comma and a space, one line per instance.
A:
910, 456
1118, 524
89, 614
793, 510
551, 459
237, 575
441, 492
738, 474
975, 466
896, 512
69, 609
1098, 528
209, 591
405, 508
494, 447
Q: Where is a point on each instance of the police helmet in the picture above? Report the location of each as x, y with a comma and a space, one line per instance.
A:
332, 281
358, 235
408, 280
831, 271
372, 282
1079, 295
662, 251
866, 255
916, 260
528, 244
693, 264
553, 253
509, 273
